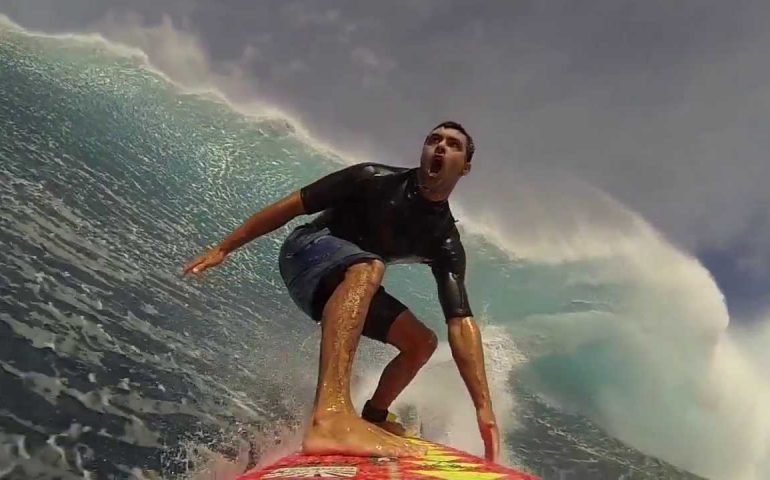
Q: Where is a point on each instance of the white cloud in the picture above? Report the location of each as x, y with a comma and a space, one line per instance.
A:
370, 61
304, 15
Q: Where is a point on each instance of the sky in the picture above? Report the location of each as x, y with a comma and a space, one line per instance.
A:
663, 105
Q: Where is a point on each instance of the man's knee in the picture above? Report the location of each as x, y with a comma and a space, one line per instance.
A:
415, 341
423, 346
370, 270
376, 267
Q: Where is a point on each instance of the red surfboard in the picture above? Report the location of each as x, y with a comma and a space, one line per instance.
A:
440, 462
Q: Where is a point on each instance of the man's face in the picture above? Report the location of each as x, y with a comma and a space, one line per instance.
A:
443, 159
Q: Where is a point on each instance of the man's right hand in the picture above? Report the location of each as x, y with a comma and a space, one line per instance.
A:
212, 258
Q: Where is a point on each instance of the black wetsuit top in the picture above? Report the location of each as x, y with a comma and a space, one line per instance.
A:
379, 208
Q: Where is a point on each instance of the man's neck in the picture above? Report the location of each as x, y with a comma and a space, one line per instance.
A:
434, 197
428, 194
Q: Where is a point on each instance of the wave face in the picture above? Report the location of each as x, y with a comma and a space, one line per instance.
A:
601, 361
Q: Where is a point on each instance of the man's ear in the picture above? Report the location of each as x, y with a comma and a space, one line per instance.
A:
466, 169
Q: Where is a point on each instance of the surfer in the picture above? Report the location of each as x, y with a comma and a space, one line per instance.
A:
374, 215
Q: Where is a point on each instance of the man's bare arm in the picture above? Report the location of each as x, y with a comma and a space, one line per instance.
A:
265, 221
467, 351
262, 222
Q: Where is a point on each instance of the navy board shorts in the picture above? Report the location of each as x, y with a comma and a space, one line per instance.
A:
313, 262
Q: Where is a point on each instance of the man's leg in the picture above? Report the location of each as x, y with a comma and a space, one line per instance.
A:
416, 343
335, 426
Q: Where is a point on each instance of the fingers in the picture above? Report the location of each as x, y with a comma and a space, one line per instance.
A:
495, 445
198, 265
203, 262
489, 449
190, 267
491, 437
195, 265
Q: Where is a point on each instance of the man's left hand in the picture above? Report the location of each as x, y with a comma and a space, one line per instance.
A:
489, 432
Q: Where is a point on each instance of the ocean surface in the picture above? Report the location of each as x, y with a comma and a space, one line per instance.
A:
114, 366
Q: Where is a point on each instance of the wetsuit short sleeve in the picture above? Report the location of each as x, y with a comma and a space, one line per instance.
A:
335, 188
449, 271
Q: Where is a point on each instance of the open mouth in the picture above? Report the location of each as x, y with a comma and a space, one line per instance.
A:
435, 166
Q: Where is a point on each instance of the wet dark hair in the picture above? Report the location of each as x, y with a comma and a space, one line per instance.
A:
471, 147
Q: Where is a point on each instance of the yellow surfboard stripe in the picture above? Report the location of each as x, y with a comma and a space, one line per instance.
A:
444, 464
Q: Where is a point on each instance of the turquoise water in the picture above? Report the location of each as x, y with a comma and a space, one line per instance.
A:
112, 365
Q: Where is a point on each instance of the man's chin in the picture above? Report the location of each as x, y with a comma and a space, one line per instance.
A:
430, 184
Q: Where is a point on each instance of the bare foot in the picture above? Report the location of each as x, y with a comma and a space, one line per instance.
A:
348, 434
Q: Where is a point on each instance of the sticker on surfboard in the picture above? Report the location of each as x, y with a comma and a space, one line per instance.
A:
330, 471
